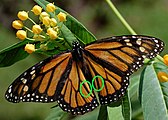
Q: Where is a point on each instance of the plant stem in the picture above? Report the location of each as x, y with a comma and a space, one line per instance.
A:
32, 21
159, 58
28, 29
120, 17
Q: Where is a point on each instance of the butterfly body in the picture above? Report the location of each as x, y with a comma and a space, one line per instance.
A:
59, 77
77, 51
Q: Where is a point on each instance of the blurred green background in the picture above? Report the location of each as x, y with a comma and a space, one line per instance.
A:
147, 17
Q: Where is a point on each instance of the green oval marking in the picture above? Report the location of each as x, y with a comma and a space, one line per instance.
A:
80, 89
101, 80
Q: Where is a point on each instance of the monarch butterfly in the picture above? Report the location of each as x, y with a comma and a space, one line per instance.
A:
58, 78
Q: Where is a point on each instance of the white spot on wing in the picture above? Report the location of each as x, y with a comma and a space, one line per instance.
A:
142, 49
10, 90
129, 44
127, 40
32, 72
133, 37
25, 89
139, 41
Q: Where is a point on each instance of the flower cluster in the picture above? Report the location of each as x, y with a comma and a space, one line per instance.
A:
165, 59
163, 76
47, 30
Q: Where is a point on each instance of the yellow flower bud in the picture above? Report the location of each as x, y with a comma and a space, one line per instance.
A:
61, 16
46, 21
165, 59
162, 76
53, 22
36, 10
56, 29
17, 24
52, 33
22, 15
50, 7
42, 15
21, 34
36, 29
30, 48
49, 30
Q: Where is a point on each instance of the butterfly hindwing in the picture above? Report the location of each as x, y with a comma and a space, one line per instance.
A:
71, 99
115, 84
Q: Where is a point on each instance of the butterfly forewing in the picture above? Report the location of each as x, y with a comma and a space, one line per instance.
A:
39, 83
115, 59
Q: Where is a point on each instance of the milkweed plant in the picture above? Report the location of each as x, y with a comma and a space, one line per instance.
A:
56, 30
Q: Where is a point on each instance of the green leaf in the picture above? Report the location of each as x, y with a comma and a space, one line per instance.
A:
133, 87
58, 114
136, 109
93, 115
13, 54
164, 87
115, 113
67, 35
120, 110
152, 96
79, 30
126, 107
103, 114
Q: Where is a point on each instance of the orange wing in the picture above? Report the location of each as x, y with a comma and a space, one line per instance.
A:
71, 99
58, 79
115, 59
39, 83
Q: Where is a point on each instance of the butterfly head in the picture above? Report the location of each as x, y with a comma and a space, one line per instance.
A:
76, 44
77, 51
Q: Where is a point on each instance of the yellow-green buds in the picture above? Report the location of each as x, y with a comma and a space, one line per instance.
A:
30, 48
36, 10
17, 24
46, 21
42, 15
50, 7
46, 31
61, 17
52, 33
21, 34
53, 22
162, 76
22, 15
36, 29
165, 59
